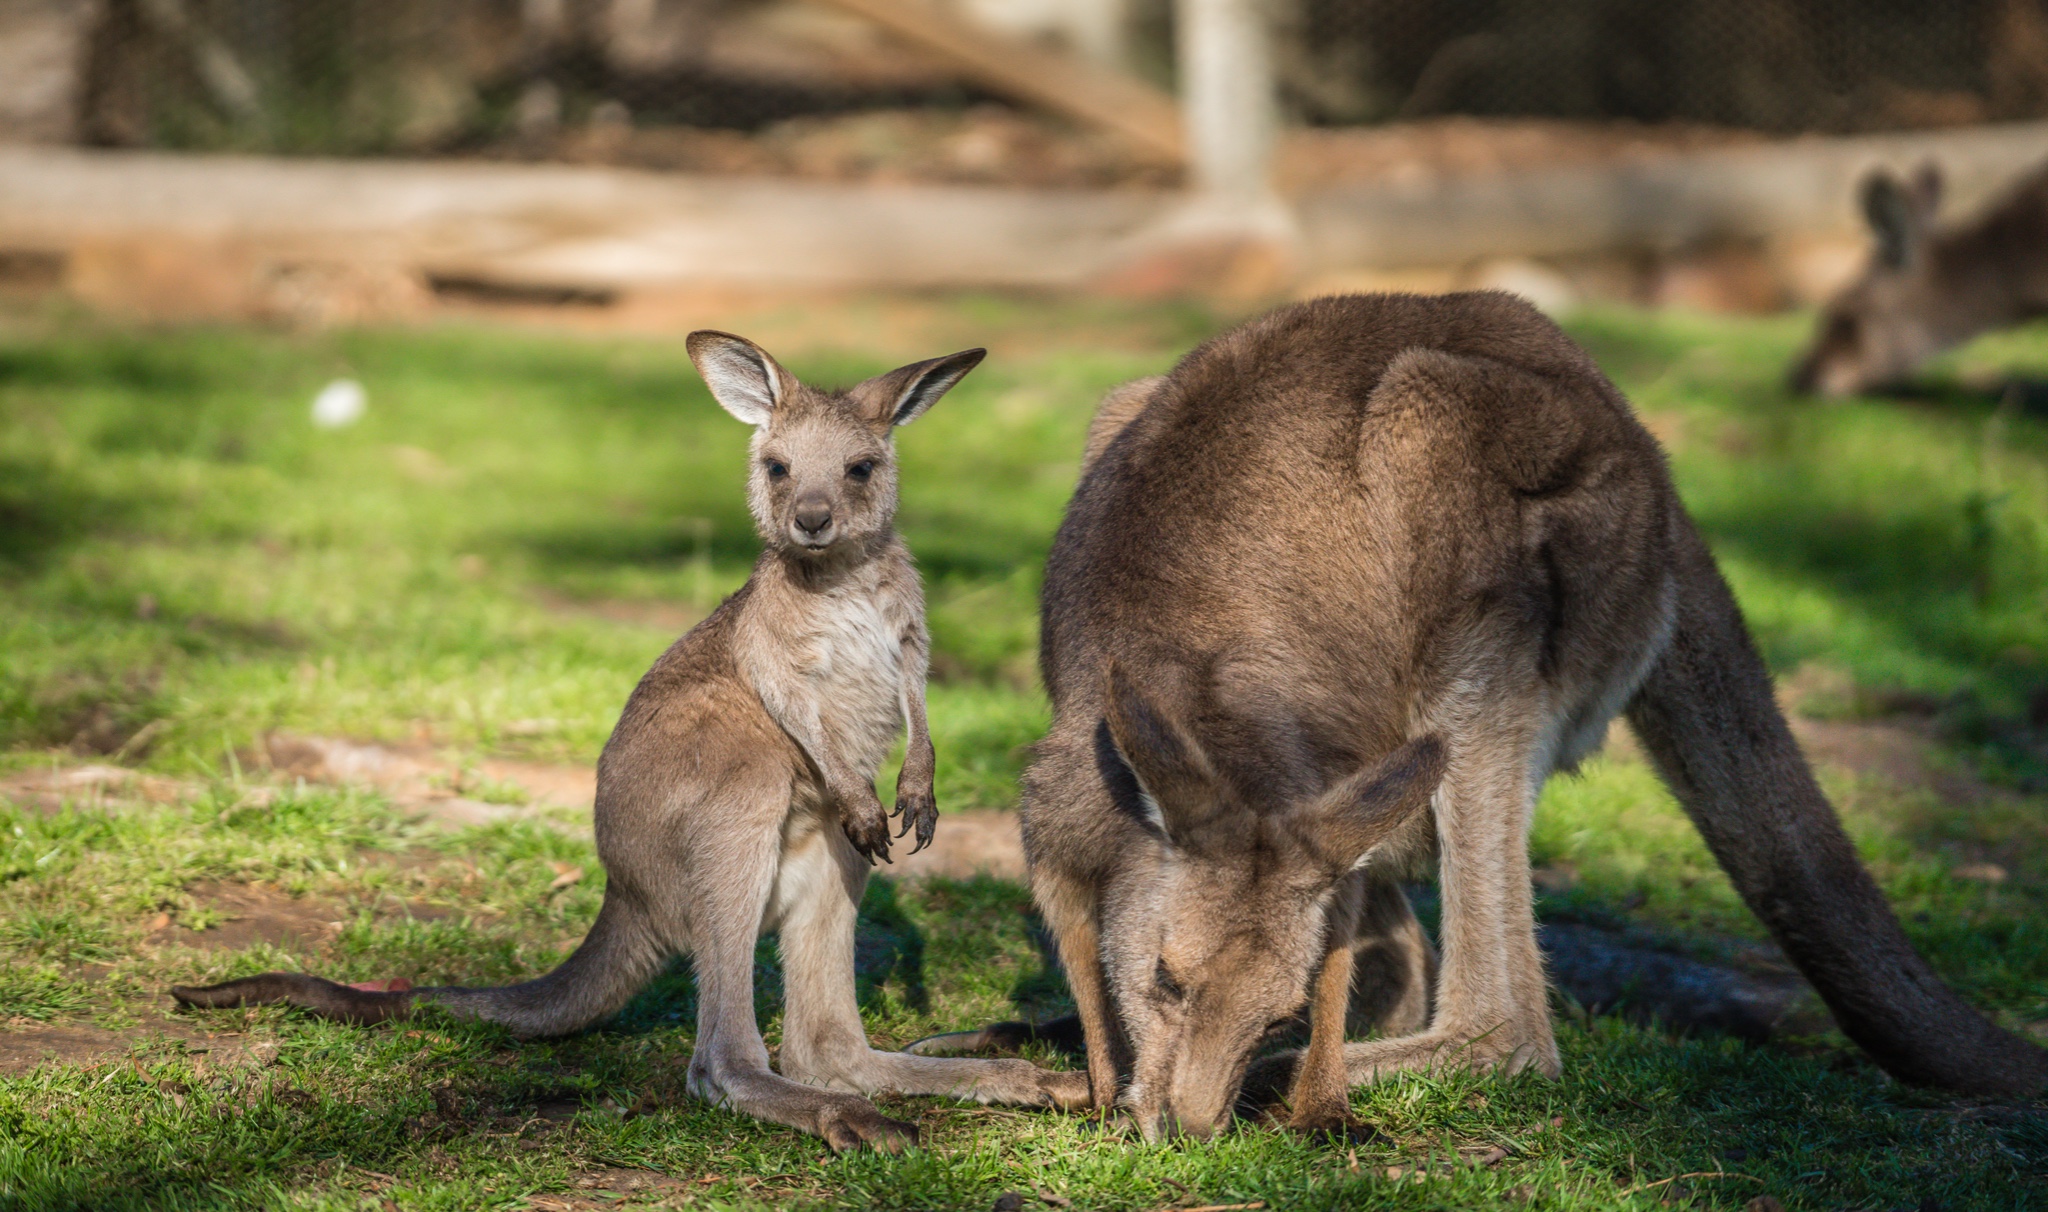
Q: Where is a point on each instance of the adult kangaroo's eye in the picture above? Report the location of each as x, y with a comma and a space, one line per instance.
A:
776, 468
861, 471
1168, 987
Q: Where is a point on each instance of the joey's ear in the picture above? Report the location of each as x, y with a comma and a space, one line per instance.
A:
902, 395
1894, 217
1174, 782
1346, 822
744, 380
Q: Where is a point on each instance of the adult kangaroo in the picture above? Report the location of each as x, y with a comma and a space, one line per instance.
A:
1927, 288
1366, 551
736, 795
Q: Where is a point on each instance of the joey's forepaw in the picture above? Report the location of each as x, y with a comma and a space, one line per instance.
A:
920, 813
868, 829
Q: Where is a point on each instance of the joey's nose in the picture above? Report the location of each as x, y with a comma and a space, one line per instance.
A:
812, 517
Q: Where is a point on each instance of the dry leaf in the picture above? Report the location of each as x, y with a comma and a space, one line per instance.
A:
161, 921
566, 874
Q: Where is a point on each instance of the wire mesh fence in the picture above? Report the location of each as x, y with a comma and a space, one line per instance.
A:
548, 77
1777, 65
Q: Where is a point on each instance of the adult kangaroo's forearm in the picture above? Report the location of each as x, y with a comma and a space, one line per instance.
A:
1707, 716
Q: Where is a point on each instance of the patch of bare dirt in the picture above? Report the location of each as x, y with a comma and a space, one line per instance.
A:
92, 787
25, 1047
967, 843
255, 913
605, 1187
420, 779
252, 913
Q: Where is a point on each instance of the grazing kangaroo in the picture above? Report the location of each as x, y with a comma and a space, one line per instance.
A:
1357, 552
736, 795
1925, 290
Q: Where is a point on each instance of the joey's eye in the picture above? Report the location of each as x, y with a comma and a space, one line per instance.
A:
859, 472
1168, 987
776, 468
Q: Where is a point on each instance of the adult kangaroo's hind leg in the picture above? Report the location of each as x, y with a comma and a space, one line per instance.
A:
1707, 716
1491, 1010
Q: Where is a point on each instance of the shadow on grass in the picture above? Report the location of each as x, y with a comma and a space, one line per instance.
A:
44, 509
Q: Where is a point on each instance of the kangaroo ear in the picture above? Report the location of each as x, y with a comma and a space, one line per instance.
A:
1347, 821
1927, 181
902, 395
744, 380
1174, 784
1894, 218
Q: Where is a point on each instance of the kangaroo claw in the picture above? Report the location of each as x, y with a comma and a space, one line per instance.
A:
868, 829
920, 813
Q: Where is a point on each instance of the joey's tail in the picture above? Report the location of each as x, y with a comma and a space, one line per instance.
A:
1707, 716
613, 962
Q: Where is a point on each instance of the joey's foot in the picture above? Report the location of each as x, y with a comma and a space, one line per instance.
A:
919, 809
867, 827
851, 1123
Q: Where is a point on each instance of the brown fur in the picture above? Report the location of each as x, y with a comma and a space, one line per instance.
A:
1354, 523
1925, 289
736, 795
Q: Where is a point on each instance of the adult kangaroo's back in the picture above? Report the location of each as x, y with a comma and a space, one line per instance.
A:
1358, 551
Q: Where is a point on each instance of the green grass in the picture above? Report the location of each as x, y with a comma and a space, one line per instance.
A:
187, 564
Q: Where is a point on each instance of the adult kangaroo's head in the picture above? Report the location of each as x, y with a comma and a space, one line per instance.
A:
1213, 939
1899, 311
824, 475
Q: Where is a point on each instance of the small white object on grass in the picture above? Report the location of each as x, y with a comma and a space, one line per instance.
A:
340, 403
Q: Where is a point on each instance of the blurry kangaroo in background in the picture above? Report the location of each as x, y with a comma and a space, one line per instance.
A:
1925, 291
736, 795
1358, 554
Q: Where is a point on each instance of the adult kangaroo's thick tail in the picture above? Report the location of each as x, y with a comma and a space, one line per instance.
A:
1707, 716
613, 962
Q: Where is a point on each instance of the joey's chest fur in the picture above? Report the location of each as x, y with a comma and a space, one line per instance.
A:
836, 651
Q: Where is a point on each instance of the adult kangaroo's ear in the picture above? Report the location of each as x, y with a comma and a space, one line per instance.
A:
744, 380
1895, 218
902, 395
1346, 822
1175, 787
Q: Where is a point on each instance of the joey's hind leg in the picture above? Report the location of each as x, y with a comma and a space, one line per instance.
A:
1394, 964
730, 1065
823, 1040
